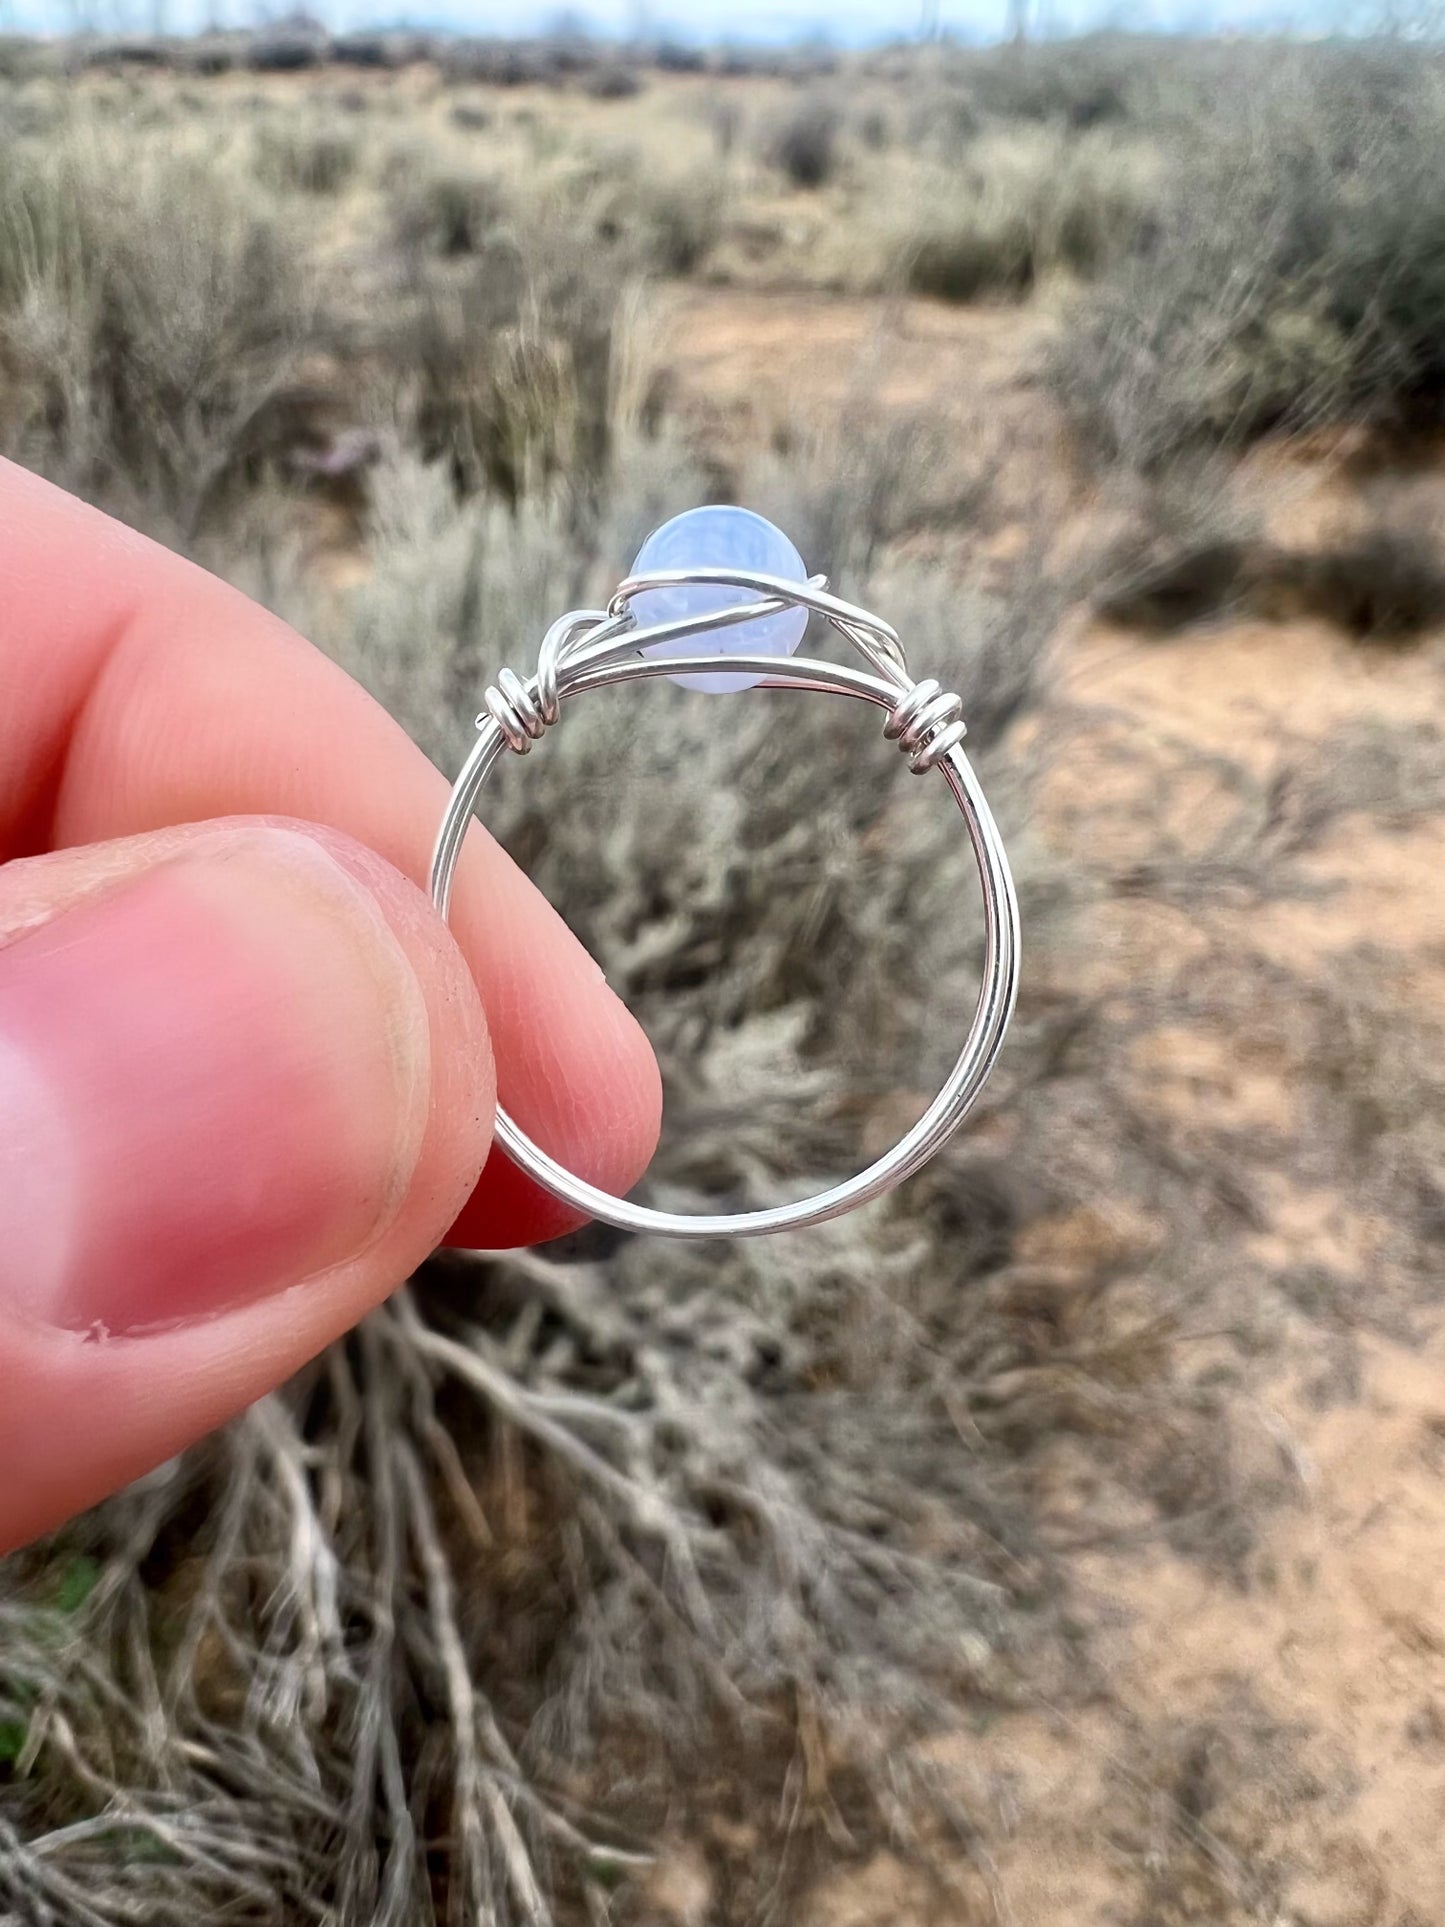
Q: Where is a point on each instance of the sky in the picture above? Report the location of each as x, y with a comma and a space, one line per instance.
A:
853, 22
844, 22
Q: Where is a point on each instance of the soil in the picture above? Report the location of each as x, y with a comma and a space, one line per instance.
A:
1270, 1741
1307, 1692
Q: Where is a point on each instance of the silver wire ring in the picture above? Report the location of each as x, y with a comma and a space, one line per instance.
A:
593, 649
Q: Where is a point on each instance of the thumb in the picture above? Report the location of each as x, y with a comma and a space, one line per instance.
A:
245, 1085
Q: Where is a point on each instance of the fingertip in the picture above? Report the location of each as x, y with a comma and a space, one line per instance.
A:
593, 1101
575, 1070
249, 1085
463, 1089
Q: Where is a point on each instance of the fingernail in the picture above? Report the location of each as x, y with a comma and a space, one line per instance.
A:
213, 1084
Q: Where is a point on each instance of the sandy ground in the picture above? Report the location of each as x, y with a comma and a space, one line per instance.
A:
1270, 1745
1299, 1706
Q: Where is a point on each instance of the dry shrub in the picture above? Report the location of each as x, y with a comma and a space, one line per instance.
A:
803, 143
1184, 552
725, 118
560, 1537
286, 51
1078, 84
1024, 206
306, 159
517, 63
1294, 273
1194, 583
445, 211
613, 83
1384, 584
674, 57
445, 573
472, 116
153, 316
622, 212
209, 54
374, 50
1194, 549
515, 371
508, 339
848, 498
662, 223
21, 58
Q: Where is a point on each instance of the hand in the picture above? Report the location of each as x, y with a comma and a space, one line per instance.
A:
246, 1082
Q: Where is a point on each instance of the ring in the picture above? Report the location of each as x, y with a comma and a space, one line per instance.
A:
727, 575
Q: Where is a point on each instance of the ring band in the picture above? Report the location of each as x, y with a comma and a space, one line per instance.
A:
594, 649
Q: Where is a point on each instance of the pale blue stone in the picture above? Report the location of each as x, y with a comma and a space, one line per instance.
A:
719, 538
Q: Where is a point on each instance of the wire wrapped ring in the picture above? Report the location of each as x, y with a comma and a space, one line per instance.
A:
593, 649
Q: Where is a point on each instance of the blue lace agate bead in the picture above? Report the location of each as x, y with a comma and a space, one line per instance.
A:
719, 538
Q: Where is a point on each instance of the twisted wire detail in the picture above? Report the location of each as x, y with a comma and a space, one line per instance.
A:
598, 648
925, 720
514, 707
926, 723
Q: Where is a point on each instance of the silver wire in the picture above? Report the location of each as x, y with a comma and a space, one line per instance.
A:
596, 648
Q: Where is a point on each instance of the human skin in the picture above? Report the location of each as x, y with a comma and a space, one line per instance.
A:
247, 1076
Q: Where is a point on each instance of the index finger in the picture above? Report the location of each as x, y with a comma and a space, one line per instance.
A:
136, 691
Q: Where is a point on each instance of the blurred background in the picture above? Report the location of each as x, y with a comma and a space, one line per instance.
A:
1057, 1540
